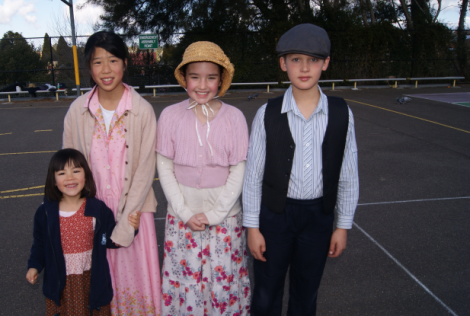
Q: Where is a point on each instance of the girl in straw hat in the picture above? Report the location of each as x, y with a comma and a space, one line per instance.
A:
202, 145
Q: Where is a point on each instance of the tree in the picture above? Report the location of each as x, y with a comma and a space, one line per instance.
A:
64, 56
371, 10
46, 49
136, 16
64, 53
19, 60
461, 39
362, 8
366, 35
406, 12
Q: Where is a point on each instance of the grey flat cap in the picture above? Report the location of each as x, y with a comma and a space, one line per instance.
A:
305, 39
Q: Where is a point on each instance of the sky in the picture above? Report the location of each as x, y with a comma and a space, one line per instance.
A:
34, 18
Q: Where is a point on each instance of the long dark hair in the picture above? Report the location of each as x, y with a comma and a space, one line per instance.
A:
57, 163
109, 41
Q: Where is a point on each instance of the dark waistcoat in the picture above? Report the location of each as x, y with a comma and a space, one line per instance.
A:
280, 149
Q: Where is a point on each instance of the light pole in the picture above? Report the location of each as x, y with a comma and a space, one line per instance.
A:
75, 58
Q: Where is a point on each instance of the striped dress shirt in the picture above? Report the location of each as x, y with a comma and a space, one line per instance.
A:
306, 179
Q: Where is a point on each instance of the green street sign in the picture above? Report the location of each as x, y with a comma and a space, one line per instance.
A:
148, 41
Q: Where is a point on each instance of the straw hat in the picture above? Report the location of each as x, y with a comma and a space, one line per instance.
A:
207, 51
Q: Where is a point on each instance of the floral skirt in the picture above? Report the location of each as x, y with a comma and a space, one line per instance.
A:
205, 272
74, 299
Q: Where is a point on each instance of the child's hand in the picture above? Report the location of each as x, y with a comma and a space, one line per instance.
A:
202, 218
338, 242
134, 220
195, 224
32, 276
256, 244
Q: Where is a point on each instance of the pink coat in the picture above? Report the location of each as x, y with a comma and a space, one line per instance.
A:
140, 134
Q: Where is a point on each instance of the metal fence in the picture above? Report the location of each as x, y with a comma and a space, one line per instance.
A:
50, 60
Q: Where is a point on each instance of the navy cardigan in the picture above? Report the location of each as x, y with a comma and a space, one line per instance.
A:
47, 254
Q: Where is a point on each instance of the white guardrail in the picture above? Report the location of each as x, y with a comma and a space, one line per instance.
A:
155, 87
256, 83
162, 86
377, 79
9, 93
88, 89
415, 79
332, 81
267, 84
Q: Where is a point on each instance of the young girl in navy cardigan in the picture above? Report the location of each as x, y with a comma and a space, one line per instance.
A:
71, 234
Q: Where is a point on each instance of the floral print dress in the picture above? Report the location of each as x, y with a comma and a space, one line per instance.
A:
205, 273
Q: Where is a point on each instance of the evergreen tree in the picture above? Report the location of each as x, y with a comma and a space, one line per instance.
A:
64, 53
17, 54
46, 49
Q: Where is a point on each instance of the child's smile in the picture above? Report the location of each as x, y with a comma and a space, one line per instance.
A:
107, 81
202, 81
70, 181
107, 70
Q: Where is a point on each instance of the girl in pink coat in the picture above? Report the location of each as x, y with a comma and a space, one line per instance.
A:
115, 128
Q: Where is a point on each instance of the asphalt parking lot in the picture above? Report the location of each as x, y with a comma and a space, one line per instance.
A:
408, 252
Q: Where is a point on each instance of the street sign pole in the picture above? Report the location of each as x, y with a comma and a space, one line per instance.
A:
74, 45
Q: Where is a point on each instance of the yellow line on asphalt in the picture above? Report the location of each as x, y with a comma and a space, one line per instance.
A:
18, 196
29, 152
36, 107
43, 130
412, 116
6, 134
23, 189
30, 188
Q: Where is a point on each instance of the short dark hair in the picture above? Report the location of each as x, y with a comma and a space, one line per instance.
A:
109, 41
57, 163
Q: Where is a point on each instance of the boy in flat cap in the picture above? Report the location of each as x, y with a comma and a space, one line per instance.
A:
301, 167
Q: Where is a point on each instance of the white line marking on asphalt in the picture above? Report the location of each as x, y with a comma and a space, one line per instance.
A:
423, 200
406, 270
160, 218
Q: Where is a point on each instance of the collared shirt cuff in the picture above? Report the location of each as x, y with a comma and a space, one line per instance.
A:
250, 221
345, 221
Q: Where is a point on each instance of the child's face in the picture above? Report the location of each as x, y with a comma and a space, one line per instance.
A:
106, 69
304, 71
70, 181
202, 81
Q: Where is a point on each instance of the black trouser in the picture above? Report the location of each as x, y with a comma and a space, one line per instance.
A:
299, 237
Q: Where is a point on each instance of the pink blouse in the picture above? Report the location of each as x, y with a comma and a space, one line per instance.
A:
194, 165
108, 151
